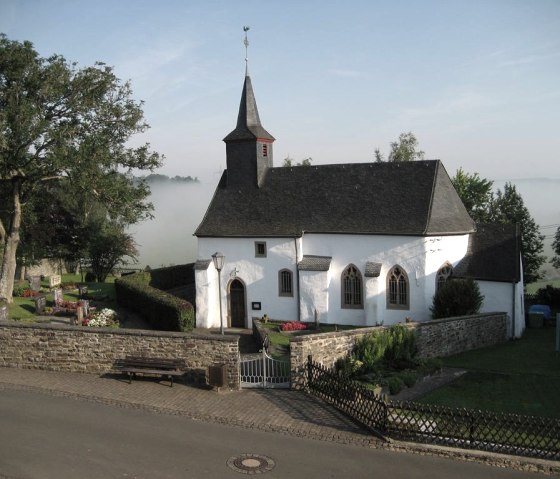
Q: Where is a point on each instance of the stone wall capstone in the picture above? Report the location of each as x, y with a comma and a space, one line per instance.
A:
94, 350
441, 337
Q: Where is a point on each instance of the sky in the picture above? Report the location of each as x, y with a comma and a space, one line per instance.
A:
477, 82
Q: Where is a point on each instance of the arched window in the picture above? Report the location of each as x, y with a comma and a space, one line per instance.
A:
443, 274
351, 280
398, 296
285, 283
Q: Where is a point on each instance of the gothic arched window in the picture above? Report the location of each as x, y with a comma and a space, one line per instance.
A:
351, 281
398, 296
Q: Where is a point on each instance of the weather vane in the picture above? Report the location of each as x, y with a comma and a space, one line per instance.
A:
246, 43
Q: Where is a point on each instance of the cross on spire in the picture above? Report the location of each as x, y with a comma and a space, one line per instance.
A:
246, 43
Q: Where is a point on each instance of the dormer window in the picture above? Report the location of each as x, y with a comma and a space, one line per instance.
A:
265, 150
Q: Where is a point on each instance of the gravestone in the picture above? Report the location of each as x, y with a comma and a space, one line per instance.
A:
57, 296
35, 283
82, 290
3, 312
85, 307
54, 280
40, 304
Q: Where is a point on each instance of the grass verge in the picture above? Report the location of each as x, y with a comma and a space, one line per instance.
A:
520, 377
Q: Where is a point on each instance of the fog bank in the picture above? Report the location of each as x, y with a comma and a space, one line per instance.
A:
168, 238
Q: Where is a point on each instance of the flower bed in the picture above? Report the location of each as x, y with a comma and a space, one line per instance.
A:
293, 326
106, 318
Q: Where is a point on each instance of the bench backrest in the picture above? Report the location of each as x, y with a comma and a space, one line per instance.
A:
151, 363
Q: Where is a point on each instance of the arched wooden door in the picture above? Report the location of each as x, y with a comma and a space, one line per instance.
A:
237, 309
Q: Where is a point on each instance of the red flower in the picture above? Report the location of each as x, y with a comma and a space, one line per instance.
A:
293, 326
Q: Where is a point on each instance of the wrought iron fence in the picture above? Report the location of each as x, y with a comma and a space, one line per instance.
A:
469, 429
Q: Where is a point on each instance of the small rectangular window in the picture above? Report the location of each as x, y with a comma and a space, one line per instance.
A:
260, 249
265, 150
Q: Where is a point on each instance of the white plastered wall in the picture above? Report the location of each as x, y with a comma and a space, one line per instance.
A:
259, 275
420, 257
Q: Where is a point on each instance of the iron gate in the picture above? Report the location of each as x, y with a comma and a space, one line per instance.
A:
262, 371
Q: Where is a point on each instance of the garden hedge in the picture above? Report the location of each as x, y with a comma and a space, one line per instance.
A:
143, 292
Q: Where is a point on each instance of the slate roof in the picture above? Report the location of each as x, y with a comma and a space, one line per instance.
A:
315, 263
493, 254
404, 198
248, 121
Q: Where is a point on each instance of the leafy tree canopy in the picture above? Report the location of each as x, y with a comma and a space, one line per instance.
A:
476, 194
508, 207
404, 149
505, 206
71, 126
291, 162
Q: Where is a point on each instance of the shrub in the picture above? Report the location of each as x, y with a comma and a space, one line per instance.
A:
19, 289
171, 276
408, 378
162, 310
401, 345
457, 297
370, 349
395, 385
348, 366
396, 344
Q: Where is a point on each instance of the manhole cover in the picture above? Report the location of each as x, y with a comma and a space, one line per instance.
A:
251, 463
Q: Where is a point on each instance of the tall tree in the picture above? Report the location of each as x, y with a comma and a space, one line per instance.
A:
556, 248
476, 194
405, 149
508, 207
503, 207
62, 124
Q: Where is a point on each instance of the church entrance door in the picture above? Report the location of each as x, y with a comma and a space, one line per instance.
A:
237, 310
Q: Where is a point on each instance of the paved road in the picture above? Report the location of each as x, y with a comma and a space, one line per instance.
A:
43, 437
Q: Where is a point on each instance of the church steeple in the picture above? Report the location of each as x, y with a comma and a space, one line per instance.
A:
249, 145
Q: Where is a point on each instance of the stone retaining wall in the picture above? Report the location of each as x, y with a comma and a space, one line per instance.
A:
441, 337
94, 350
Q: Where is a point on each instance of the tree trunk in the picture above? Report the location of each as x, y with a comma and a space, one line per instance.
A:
8, 269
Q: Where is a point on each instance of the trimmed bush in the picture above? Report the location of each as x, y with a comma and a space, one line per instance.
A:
162, 310
172, 276
395, 385
457, 297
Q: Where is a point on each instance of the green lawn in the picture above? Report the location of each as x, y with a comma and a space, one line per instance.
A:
521, 376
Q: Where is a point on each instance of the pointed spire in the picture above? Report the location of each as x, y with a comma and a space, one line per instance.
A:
248, 122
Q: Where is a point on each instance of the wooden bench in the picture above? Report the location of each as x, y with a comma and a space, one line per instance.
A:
133, 365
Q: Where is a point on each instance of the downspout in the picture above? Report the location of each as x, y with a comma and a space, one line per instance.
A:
297, 278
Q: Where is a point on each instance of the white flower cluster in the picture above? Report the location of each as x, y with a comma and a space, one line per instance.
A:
104, 318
